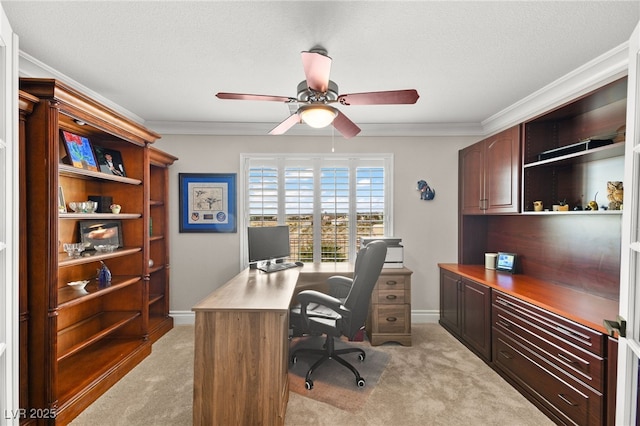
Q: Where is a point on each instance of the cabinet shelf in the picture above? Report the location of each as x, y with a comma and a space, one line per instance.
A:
68, 297
575, 213
156, 269
107, 322
156, 203
88, 257
81, 370
99, 216
156, 238
601, 153
153, 298
65, 169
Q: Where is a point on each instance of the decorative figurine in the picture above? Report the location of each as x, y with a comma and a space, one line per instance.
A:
426, 193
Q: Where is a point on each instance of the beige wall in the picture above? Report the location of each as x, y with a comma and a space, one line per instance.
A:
202, 262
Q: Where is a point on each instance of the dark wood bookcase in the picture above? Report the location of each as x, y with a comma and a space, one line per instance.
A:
78, 343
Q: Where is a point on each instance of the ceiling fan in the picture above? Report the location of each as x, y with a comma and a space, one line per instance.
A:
317, 93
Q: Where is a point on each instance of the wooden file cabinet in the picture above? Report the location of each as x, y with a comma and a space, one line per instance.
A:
390, 313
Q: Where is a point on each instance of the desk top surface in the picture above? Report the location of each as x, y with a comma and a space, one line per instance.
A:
254, 290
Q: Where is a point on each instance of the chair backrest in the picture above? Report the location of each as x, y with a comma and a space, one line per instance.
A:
365, 275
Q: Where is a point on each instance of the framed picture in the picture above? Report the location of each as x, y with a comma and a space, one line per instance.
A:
79, 151
62, 205
99, 232
110, 161
207, 202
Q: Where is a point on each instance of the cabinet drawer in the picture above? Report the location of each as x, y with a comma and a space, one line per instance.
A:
581, 364
391, 282
391, 297
391, 318
556, 325
571, 401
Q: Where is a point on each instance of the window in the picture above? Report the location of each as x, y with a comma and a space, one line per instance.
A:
329, 202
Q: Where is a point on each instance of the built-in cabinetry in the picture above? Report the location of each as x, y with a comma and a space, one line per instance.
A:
489, 174
390, 312
465, 310
548, 341
159, 320
559, 363
568, 155
80, 342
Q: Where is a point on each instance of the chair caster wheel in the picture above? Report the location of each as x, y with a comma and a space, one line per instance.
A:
294, 359
360, 382
309, 384
361, 357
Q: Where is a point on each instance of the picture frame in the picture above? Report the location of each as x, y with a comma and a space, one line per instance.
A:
110, 161
62, 205
207, 202
79, 151
100, 232
506, 262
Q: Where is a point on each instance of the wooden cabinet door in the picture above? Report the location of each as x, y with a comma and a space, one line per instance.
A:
471, 161
501, 171
475, 327
450, 301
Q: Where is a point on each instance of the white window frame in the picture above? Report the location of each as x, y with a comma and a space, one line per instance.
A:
278, 159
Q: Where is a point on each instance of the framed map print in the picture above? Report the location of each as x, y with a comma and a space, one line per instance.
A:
208, 202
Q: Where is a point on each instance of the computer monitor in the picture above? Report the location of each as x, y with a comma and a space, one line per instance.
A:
268, 243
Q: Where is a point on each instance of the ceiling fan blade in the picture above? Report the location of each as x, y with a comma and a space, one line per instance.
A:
380, 98
248, 97
286, 124
316, 68
346, 127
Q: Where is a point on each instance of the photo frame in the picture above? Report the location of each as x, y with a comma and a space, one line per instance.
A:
79, 151
506, 262
208, 202
110, 161
62, 205
100, 232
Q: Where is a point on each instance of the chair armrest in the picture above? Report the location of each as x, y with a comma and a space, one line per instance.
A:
311, 296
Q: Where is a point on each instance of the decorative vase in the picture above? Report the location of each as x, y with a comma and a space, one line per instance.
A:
104, 276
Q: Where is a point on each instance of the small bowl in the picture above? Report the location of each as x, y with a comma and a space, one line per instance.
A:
74, 249
105, 248
78, 285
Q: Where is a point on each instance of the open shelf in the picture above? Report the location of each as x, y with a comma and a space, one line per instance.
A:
68, 297
94, 256
601, 153
99, 216
153, 298
105, 322
65, 169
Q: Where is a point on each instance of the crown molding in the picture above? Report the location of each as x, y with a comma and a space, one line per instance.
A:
262, 129
602, 70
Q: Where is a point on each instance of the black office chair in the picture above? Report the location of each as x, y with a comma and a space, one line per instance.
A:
342, 314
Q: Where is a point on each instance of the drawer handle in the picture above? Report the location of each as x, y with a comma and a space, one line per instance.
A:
569, 360
572, 333
506, 303
566, 400
506, 354
504, 323
392, 282
392, 297
392, 319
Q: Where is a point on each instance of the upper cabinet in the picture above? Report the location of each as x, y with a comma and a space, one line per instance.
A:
572, 152
489, 174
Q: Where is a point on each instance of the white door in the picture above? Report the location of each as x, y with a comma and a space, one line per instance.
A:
8, 223
629, 346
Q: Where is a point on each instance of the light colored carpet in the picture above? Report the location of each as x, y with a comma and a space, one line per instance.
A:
437, 381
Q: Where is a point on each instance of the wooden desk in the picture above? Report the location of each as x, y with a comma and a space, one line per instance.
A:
242, 344
241, 350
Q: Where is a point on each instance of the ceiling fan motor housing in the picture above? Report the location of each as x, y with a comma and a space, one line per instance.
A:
307, 95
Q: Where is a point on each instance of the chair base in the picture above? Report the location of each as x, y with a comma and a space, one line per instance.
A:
329, 352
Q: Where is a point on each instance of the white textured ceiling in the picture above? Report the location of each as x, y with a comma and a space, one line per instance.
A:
164, 61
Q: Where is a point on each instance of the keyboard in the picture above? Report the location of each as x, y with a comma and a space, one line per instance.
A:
274, 267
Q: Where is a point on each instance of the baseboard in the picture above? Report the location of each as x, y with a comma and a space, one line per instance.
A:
183, 317
417, 317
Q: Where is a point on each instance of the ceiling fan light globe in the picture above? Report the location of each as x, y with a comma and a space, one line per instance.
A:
318, 116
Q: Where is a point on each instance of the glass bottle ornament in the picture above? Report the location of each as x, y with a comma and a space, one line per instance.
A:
104, 276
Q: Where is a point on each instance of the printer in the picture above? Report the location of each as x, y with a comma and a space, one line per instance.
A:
395, 254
